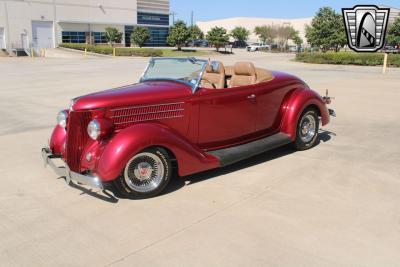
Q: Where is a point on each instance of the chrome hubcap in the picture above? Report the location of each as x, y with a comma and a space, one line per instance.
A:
144, 172
307, 128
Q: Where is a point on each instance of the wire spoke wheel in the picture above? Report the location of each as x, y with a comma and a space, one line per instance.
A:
307, 128
144, 172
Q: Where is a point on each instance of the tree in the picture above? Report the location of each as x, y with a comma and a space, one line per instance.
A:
297, 39
240, 34
393, 37
178, 34
217, 37
284, 33
267, 34
326, 30
195, 33
140, 36
113, 35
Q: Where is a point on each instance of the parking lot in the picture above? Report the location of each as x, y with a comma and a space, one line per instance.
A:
337, 204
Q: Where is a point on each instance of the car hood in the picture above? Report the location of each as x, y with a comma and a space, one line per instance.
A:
136, 94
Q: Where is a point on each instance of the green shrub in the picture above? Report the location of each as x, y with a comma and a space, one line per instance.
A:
348, 58
119, 51
142, 52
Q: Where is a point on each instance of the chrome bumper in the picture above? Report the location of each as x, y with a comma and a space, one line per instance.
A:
48, 160
332, 112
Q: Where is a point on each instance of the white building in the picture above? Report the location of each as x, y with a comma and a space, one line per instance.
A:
251, 23
393, 14
46, 23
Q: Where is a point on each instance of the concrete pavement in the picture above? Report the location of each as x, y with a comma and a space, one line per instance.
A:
337, 204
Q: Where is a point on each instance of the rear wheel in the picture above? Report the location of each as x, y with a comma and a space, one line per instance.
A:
146, 174
307, 130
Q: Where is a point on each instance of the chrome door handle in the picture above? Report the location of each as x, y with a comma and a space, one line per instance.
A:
252, 96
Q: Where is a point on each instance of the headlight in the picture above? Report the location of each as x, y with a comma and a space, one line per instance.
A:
93, 129
62, 117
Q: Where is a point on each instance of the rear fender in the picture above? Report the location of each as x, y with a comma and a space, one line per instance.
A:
299, 100
130, 141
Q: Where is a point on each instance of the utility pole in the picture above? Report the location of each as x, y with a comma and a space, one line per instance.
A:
191, 24
173, 14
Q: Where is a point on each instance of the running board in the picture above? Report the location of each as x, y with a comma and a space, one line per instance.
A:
234, 154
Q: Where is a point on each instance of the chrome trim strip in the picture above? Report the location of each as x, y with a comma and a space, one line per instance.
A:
199, 81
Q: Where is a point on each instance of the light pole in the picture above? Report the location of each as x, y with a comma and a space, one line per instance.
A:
173, 14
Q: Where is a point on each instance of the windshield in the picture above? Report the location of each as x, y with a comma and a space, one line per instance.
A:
187, 70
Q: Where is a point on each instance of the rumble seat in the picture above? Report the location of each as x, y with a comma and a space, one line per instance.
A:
244, 74
214, 75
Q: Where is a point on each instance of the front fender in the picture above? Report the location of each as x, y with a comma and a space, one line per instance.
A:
57, 140
124, 145
300, 100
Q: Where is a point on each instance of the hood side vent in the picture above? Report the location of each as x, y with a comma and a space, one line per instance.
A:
123, 117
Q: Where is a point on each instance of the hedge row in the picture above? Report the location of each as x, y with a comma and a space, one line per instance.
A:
119, 51
348, 58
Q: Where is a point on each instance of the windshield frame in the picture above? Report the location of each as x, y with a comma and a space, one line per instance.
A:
193, 86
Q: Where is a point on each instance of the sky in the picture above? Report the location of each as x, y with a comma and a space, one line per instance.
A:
204, 10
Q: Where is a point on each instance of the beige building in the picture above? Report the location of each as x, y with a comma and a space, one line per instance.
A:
393, 14
46, 23
251, 23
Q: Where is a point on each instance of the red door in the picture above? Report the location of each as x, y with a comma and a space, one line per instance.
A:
269, 100
226, 116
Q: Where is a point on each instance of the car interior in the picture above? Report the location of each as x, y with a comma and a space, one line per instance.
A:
217, 76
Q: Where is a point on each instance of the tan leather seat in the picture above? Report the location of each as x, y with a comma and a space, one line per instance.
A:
263, 75
244, 74
214, 77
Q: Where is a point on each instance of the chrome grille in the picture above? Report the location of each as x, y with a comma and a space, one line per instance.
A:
123, 117
77, 137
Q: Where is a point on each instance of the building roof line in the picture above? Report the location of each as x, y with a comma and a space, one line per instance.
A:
256, 18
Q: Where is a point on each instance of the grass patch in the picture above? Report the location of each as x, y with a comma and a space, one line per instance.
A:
119, 51
186, 53
141, 52
348, 58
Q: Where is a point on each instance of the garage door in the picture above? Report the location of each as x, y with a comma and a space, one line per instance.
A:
2, 39
42, 33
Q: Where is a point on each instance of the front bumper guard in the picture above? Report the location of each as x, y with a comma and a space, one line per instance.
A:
48, 160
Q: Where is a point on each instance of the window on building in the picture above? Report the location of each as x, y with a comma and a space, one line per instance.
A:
128, 31
158, 36
99, 37
152, 19
73, 37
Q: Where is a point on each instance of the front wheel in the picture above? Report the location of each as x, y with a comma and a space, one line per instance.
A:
307, 130
146, 174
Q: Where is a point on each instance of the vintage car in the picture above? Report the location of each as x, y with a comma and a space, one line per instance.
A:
185, 116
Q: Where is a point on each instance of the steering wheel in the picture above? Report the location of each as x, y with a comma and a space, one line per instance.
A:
209, 82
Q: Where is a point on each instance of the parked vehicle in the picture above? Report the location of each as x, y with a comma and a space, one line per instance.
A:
391, 49
238, 44
256, 47
198, 43
185, 116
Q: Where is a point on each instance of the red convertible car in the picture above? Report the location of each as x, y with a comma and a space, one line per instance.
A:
185, 116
